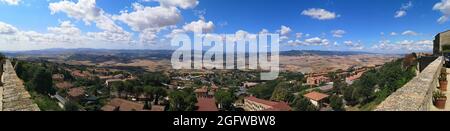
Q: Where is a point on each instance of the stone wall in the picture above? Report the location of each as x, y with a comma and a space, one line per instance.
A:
14, 96
417, 94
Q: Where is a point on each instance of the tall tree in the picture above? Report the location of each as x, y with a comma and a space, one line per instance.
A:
159, 92
336, 103
148, 92
225, 99
43, 82
183, 100
303, 104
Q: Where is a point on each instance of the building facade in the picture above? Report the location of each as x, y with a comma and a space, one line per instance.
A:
440, 40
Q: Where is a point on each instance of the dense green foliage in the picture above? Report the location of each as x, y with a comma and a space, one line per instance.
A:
182, 100
336, 103
38, 81
303, 104
376, 85
225, 99
281, 89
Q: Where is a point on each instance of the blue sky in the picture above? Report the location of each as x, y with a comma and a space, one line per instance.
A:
385, 26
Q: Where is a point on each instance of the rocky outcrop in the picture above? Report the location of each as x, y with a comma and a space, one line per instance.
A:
13, 95
417, 94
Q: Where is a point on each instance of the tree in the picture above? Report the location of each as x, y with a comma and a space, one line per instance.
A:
183, 100
281, 92
43, 82
336, 103
138, 91
225, 99
303, 104
128, 87
159, 92
71, 106
154, 79
148, 92
349, 95
147, 106
119, 87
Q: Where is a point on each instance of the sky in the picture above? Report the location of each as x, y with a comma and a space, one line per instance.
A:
382, 26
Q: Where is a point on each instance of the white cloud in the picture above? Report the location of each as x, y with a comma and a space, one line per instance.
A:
199, 26
404, 45
149, 17
11, 2
320, 14
66, 28
393, 33
410, 33
264, 31
298, 35
354, 45
296, 43
7, 29
444, 8
316, 41
12, 35
338, 33
402, 11
125, 37
184, 4
87, 11
148, 36
284, 31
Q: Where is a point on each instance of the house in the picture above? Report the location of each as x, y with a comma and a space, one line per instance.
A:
58, 77
118, 104
76, 92
64, 85
119, 76
316, 98
252, 103
206, 104
201, 92
316, 80
327, 87
249, 84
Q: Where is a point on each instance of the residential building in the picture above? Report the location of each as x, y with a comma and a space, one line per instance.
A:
255, 104
316, 98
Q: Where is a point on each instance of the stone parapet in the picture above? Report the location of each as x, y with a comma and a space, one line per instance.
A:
13, 95
417, 94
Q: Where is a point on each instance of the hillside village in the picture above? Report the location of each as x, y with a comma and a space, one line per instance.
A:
91, 88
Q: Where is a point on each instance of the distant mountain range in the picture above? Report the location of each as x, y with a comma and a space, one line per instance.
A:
165, 53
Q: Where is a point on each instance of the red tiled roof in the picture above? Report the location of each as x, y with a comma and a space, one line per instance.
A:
201, 90
276, 106
206, 104
75, 92
124, 105
63, 85
316, 96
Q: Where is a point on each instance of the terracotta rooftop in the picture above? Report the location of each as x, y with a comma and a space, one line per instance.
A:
124, 105
276, 106
316, 96
63, 85
206, 104
201, 90
75, 92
